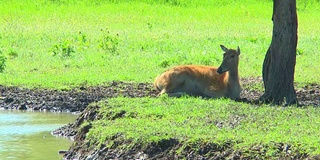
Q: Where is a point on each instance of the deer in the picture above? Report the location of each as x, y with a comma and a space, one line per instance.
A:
201, 80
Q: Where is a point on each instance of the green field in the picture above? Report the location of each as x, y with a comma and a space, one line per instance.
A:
64, 43
58, 44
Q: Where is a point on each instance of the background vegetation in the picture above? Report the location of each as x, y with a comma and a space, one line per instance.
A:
63, 43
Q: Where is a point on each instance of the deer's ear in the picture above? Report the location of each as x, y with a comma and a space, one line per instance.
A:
224, 48
238, 50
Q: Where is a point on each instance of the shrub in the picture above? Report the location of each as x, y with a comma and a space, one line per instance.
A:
109, 43
3, 60
63, 49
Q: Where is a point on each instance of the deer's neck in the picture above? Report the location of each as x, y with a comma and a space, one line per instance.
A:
234, 87
234, 76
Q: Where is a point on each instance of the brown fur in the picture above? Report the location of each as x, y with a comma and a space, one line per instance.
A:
206, 81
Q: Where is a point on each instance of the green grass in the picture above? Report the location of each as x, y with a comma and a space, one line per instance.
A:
149, 38
146, 120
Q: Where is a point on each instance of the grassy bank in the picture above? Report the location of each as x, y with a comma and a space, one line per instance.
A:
58, 44
200, 123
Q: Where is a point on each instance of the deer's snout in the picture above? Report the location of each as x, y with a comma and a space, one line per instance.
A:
220, 70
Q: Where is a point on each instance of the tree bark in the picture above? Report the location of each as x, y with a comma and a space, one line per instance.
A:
279, 63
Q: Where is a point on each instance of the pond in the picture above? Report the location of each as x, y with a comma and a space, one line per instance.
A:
27, 134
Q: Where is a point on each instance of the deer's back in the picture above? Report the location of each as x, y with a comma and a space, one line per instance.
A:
191, 76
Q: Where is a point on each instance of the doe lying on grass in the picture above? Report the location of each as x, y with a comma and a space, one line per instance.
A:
205, 81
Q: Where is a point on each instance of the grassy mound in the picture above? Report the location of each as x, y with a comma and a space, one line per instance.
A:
193, 127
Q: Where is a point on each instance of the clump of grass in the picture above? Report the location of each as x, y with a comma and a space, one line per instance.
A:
3, 60
164, 64
108, 43
13, 54
63, 49
81, 41
68, 46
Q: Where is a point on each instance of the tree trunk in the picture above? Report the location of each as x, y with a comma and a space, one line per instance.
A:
279, 63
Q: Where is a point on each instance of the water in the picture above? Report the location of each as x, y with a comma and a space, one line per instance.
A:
26, 135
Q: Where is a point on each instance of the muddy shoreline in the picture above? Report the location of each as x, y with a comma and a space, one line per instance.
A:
73, 100
78, 98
